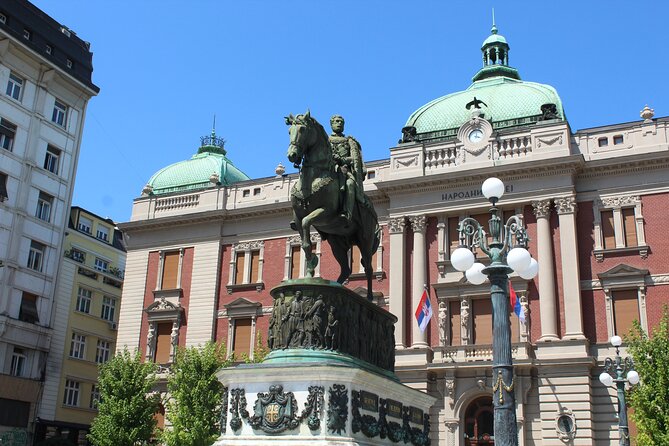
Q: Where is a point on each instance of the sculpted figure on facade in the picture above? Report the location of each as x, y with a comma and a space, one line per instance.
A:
443, 316
295, 318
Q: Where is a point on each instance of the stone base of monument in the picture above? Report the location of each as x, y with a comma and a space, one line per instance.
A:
328, 379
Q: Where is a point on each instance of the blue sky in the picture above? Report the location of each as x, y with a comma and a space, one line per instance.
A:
166, 67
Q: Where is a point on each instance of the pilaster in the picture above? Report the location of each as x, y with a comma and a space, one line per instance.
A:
396, 228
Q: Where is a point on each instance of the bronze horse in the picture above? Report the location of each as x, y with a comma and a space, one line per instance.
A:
317, 199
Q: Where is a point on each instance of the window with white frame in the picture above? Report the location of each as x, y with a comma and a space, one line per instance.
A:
71, 395
84, 300
108, 308
169, 276
95, 397
59, 115
36, 255
102, 351
625, 298
246, 263
618, 225
102, 233
295, 261
101, 265
78, 346
44, 203
242, 317
7, 134
14, 86
77, 255
85, 224
18, 362
52, 159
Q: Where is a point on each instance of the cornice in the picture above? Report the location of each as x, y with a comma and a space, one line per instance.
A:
622, 165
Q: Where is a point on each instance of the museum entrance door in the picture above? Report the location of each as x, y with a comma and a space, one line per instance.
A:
479, 422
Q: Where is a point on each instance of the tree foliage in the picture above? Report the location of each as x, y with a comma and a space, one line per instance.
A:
194, 408
127, 406
650, 399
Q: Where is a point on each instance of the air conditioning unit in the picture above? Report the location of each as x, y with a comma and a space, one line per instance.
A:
113, 326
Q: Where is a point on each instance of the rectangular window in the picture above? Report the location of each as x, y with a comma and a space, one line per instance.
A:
603, 142
482, 309
455, 333
28, 311
102, 351
78, 346
85, 225
625, 310
608, 231
255, 265
77, 256
95, 397
44, 203
295, 261
101, 265
617, 139
3, 187
7, 134
14, 413
163, 343
629, 222
246, 193
52, 159
102, 233
59, 115
36, 255
84, 300
356, 260
108, 308
170, 279
242, 337
453, 235
14, 86
71, 396
239, 267
18, 362
256, 191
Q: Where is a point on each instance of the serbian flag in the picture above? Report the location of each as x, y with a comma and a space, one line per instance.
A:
515, 303
424, 311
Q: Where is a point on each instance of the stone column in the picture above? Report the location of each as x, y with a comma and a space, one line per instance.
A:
573, 315
547, 303
397, 277
418, 275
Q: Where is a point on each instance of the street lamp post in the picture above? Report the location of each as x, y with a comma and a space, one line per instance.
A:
620, 370
507, 252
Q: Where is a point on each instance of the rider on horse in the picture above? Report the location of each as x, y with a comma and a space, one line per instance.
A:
347, 153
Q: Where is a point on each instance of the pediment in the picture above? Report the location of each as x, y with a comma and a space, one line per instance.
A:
242, 307
622, 270
242, 302
162, 305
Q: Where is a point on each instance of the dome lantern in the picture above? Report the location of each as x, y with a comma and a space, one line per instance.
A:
495, 51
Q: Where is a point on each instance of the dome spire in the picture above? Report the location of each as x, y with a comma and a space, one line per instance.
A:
493, 30
495, 51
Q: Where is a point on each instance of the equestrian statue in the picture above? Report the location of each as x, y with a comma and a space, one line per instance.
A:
329, 194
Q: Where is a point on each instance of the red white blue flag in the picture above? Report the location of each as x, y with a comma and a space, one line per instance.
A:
424, 311
515, 304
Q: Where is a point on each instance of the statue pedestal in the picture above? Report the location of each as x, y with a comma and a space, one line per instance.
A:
328, 379
326, 402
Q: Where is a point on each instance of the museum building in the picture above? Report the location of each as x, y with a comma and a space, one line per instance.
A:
206, 244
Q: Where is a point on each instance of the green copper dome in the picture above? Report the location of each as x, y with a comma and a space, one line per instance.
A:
209, 166
504, 99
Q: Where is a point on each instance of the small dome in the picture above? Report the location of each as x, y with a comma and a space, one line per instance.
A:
197, 173
494, 38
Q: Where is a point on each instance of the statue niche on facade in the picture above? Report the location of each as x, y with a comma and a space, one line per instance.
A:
329, 195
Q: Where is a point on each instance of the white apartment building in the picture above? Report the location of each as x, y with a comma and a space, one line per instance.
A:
45, 85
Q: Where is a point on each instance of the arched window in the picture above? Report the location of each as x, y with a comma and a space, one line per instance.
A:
479, 422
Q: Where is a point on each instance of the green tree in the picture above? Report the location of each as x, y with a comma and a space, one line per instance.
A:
650, 399
127, 406
194, 408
